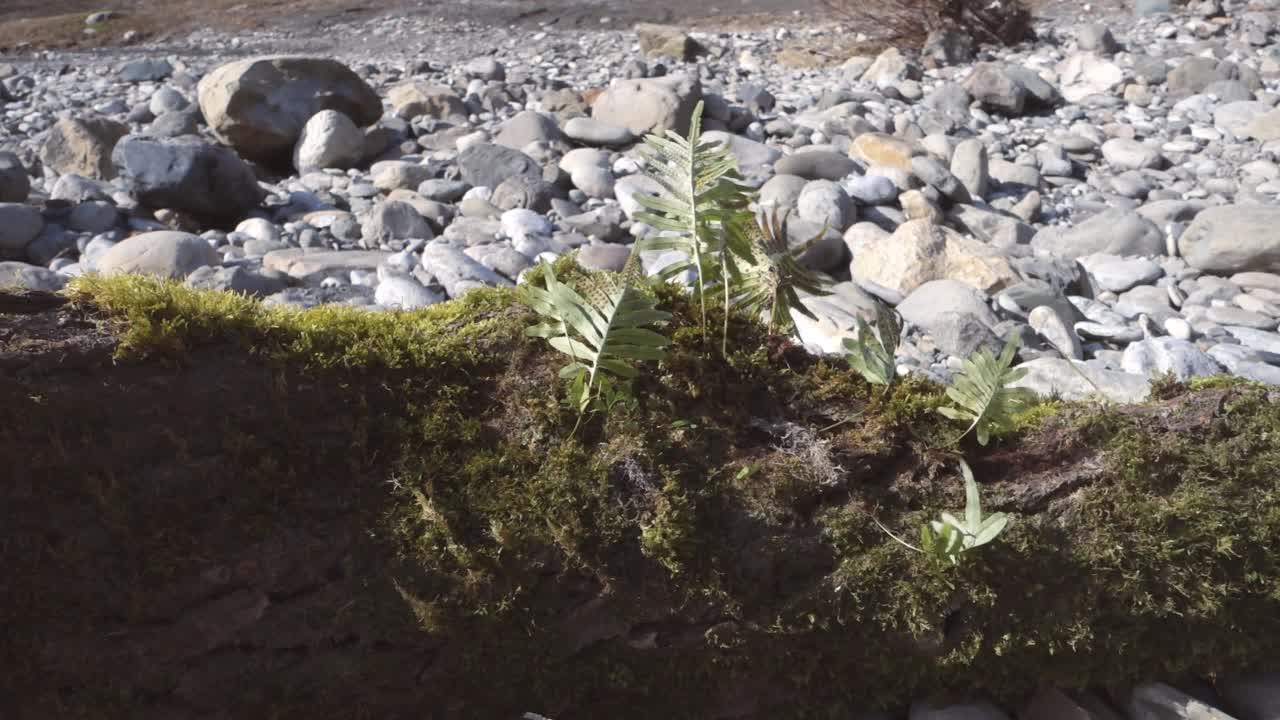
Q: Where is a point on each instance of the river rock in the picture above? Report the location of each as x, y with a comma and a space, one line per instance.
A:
1233, 239
164, 253
187, 174
260, 105
649, 105
83, 146
920, 251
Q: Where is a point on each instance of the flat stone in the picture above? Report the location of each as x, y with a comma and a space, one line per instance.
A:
1256, 339
1073, 380
1168, 355
22, 276
1111, 333
816, 165
312, 266
1157, 701
591, 131
1118, 274
1241, 317
1113, 232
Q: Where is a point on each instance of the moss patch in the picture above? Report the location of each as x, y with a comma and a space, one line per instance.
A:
712, 551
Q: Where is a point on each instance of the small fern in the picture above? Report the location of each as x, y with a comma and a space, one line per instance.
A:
948, 539
772, 282
872, 354
604, 330
701, 209
982, 395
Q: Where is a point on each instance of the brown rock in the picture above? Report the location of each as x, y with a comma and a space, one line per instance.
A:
418, 99
667, 41
83, 146
884, 150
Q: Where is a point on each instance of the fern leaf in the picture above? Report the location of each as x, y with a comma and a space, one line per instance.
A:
698, 207
604, 329
771, 281
873, 355
982, 395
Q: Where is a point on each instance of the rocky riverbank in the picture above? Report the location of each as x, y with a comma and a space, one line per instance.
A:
1105, 193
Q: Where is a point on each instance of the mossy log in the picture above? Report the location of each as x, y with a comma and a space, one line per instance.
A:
215, 509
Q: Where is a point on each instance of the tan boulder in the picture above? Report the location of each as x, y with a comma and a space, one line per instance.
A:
886, 150
667, 41
82, 146
919, 251
419, 99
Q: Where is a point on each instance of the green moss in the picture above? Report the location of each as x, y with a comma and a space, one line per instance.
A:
725, 526
169, 318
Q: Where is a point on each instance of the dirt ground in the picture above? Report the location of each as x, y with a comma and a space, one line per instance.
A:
27, 25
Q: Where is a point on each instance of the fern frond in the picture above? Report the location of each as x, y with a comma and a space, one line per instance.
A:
771, 282
982, 395
699, 207
873, 355
603, 329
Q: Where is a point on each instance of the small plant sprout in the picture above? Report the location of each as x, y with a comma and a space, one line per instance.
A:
872, 354
949, 538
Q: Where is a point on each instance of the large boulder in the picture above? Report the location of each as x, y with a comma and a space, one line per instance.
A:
1233, 238
19, 225
487, 165
649, 105
164, 253
82, 146
187, 174
260, 105
1008, 89
15, 185
919, 251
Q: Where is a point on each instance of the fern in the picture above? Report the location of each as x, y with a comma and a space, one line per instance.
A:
948, 539
604, 330
701, 209
772, 282
982, 394
873, 354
